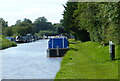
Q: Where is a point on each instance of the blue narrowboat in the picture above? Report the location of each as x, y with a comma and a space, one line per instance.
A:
57, 47
10, 38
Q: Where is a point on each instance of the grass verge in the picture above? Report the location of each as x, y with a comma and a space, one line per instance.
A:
5, 43
88, 60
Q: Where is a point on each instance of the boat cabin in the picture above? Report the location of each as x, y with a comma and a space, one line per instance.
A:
57, 47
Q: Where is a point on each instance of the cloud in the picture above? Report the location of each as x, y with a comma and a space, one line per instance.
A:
30, 11
12, 10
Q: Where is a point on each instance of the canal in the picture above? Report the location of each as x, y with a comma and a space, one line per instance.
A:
29, 61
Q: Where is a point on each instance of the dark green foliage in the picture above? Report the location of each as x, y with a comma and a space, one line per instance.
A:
100, 19
18, 22
42, 24
47, 33
3, 22
70, 23
7, 31
27, 27
27, 21
22, 28
59, 28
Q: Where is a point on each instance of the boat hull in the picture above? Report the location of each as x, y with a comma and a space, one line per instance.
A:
56, 52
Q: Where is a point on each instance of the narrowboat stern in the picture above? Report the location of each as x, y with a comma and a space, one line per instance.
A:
57, 47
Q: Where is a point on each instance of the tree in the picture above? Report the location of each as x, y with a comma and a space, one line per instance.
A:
18, 22
27, 21
47, 33
25, 28
68, 19
86, 18
101, 20
42, 24
59, 28
3, 22
7, 31
40, 19
71, 24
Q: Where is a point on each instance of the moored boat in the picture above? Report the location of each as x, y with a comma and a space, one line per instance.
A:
57, 47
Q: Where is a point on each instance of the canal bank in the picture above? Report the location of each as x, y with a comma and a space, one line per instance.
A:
29, 61
88, 60
5, 43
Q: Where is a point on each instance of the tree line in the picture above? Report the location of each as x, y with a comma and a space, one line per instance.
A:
95, 21
39, 27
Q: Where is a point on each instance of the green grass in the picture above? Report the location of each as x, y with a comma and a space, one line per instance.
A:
5, 43
88, 60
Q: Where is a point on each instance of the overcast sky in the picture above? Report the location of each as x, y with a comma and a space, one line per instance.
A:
12, 10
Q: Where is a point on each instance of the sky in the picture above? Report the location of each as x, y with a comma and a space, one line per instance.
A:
13, 10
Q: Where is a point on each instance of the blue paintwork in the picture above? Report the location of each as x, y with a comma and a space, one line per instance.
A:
10, 38
58, 42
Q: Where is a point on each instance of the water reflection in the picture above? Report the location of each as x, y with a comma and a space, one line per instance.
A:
29, 61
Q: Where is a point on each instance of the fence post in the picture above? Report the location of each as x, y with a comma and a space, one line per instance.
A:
112, 50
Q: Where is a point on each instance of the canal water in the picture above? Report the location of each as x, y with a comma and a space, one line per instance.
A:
29, 61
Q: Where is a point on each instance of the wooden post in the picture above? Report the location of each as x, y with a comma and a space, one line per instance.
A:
63, 42
57, 51
112, 50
